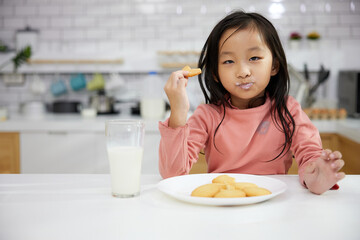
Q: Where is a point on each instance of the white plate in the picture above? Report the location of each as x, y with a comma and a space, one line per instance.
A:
180, 187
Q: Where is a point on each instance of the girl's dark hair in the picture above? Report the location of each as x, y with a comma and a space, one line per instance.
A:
278, 87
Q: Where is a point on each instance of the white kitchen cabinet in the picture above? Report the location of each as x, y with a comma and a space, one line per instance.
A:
57, 152
76, 152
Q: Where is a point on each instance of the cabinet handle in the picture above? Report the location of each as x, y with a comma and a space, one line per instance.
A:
57, 133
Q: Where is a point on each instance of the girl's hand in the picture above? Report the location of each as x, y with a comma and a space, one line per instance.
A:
179, 102
324, 173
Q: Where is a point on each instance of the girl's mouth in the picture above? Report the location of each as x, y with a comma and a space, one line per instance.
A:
245, 85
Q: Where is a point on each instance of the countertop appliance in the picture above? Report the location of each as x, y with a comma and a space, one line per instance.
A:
349, 92
102, 103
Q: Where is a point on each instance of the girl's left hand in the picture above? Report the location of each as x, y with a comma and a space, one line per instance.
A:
323, 174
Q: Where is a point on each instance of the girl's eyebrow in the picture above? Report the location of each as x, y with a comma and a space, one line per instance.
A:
226, 53
251, 49
256, 48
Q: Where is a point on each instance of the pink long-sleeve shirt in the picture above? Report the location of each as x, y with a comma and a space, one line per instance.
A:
245, 141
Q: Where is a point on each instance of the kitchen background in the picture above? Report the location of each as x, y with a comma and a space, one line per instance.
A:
124, 40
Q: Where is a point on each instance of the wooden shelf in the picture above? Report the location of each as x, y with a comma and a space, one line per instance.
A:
75, 61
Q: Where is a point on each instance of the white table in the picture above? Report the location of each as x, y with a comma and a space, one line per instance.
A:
69, 206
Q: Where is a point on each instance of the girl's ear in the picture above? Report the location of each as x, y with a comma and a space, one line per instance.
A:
275, 67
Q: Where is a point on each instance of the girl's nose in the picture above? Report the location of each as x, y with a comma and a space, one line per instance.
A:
243, 71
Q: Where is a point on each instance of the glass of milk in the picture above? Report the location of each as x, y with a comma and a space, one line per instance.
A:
125, 148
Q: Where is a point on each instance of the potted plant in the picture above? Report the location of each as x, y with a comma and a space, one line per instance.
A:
295, 40
313, 39
20, 58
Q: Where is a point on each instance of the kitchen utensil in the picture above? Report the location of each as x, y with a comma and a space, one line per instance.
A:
88, 112
306, 73
78, 82
115, 82
58, 88
97, 83
3, 114
322, 77
38, 86
66, 106
102, 103
33, 109
27, 37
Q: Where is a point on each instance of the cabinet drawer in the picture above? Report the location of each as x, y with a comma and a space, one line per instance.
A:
9, 152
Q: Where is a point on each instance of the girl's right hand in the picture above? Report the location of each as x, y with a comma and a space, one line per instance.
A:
178, 99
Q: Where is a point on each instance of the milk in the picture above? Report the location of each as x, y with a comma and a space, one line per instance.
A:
125, 168
152, 108
152, 104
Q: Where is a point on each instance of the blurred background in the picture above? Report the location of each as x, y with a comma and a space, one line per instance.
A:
124, 40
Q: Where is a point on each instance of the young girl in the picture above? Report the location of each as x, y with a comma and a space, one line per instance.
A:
249, 125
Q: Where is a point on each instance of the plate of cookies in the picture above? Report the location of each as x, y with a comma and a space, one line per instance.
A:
222, 189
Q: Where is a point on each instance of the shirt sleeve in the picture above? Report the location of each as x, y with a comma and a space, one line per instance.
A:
179, 147
306, 143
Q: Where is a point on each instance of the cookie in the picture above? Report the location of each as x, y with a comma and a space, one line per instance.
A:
228, 193
224, 179
206, 190
192, 72
242, 185
255, 191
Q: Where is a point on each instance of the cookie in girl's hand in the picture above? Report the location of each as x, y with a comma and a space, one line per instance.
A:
192, 72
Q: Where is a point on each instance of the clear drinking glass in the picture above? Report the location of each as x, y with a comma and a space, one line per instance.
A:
125, 147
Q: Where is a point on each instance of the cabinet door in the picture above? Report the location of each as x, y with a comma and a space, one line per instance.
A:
101, 160
9, 152
57, 152
150, 162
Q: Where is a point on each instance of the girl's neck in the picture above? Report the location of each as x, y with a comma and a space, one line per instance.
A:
252, 103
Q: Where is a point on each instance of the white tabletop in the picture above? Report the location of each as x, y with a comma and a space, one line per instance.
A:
69, 206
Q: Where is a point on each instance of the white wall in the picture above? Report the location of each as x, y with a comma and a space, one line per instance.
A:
102, 27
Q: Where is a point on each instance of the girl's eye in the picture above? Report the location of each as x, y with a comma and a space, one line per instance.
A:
254, 58
228, 61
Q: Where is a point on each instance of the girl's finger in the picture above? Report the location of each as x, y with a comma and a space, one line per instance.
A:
338, 164
174, 79
335, 155
340, 175
325, 154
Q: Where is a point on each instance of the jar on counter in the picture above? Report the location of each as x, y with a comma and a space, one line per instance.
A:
152, 104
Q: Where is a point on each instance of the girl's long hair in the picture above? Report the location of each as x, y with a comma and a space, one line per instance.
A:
278, 87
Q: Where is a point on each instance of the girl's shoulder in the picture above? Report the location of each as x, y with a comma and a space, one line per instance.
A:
209, 109
292, 104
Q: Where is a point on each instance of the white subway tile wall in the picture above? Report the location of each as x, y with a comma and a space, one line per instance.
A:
151, 25
170, 21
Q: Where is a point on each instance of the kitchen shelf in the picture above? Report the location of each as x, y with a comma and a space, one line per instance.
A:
75, 61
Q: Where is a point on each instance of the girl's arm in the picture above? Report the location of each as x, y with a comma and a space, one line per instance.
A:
318, 169
179, 147
178, 99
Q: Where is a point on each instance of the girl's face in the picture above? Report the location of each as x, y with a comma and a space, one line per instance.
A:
245, 65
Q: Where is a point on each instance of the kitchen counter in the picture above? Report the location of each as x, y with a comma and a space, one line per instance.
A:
76, 206
66, 122
349, 128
